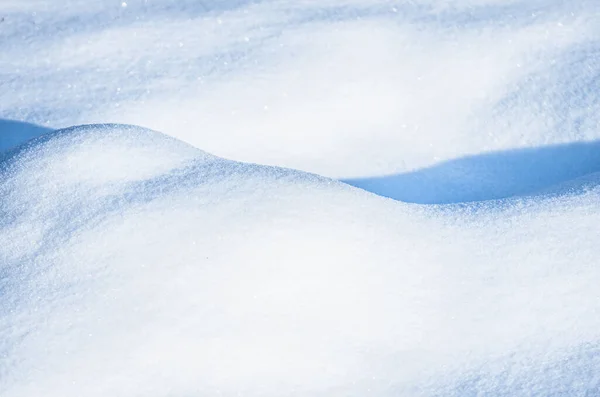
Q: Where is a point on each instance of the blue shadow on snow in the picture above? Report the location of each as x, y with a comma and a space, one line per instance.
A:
489, 176
14, 133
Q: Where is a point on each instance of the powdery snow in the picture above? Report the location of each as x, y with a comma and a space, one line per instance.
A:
342, 88
188, 274
135, 263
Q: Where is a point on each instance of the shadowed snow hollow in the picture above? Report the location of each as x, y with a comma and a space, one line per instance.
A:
134, 264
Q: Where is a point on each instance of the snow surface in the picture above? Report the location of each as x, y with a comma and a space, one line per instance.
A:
342, 88
194, 275
135, 263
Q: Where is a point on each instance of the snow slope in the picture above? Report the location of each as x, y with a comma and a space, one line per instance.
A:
194, 275
342, 88
132, 263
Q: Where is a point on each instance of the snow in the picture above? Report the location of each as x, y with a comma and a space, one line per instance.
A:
134, 262
14, 133
191, 274
342, 88
489, 176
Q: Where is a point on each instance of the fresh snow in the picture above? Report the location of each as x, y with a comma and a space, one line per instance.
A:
141, 263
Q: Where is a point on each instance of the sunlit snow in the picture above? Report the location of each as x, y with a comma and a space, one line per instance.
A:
345, 198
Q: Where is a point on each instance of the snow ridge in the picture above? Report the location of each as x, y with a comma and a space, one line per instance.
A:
133, 263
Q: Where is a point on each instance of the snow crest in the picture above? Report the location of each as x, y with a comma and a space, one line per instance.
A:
134, 264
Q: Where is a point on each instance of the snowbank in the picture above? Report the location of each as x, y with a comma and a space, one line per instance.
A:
134, 264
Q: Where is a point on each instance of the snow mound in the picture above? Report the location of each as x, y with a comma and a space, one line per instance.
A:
134, 264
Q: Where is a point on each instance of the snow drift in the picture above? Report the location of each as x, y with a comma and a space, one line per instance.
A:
134, 264
342, 88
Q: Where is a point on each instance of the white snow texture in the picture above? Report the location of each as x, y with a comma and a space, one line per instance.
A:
434, 233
